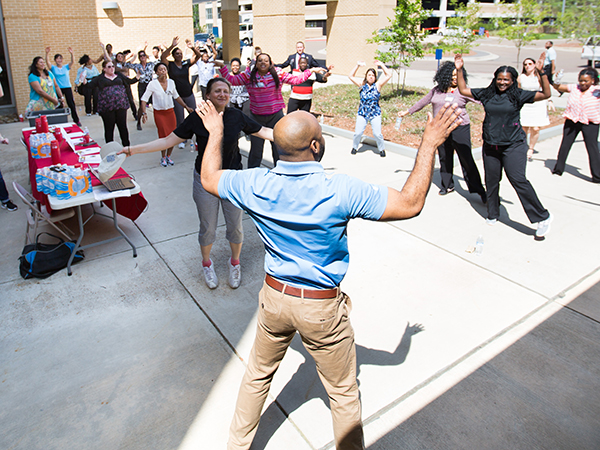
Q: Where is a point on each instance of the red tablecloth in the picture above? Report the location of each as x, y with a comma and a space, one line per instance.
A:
130, 207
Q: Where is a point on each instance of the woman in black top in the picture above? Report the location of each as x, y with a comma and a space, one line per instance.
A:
179, 72
112, 101
218, 91
504, 141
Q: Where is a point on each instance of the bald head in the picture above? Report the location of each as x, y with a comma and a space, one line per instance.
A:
298, 137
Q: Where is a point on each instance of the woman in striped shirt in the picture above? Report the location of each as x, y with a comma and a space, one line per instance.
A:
264, 83
582, 114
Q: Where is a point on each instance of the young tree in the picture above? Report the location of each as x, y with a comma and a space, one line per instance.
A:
521, 27
466, 20
580, 21
403, 37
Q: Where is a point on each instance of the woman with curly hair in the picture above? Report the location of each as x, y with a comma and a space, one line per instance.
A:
86, 73
446, 91
504, 141
369, 109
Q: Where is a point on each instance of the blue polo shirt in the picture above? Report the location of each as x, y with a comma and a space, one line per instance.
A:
301, 214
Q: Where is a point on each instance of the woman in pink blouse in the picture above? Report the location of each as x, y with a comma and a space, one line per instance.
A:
582, 114
264, 83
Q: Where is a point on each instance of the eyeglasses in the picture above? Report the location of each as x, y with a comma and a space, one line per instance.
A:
143, 56
108, 67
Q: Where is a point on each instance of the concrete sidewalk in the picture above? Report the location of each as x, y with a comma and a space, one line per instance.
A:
455, 351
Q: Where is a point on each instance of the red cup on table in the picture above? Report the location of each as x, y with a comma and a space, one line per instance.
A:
58, 135
38, 124
55, 152
44, 124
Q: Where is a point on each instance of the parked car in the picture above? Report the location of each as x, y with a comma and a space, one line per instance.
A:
452, 31
591, 50
201, 38
246, 33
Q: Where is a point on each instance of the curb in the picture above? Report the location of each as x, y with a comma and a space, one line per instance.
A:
410, 152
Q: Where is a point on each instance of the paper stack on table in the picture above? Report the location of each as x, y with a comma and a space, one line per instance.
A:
93, 158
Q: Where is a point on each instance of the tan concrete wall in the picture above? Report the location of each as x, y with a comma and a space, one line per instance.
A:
31, 25
349, 24
313, 32
386, 11
278, 25
231, 34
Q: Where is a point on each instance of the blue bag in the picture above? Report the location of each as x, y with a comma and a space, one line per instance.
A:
41, 260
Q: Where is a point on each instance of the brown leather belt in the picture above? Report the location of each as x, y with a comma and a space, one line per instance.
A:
302, 293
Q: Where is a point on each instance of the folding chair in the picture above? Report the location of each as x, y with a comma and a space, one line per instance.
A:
37, 213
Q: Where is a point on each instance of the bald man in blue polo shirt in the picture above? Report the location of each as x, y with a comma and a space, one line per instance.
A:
307, 256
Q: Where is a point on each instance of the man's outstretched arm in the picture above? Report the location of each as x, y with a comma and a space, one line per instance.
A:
410, 200
210, 174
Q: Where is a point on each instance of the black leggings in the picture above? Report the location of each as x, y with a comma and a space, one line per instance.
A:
590, 136
118, 117
90, 98
459, 140
68, 94
299, 105
513, 159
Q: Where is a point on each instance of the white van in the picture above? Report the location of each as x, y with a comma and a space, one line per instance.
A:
591, 50
246, 33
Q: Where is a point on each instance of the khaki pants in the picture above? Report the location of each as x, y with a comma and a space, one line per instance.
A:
328, 336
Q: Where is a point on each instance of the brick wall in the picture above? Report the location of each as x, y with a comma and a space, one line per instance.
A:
31, 25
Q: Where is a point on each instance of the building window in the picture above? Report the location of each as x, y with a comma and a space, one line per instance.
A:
315, 24
218, 12
209, 14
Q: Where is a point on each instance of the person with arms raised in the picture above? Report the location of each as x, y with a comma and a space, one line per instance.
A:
307, 256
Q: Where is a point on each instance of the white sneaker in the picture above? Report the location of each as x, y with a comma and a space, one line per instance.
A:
543, 227
163, 161
182, 145
210, 276
491, 222
235, 275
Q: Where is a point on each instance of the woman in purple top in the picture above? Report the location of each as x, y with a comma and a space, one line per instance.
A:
446, 91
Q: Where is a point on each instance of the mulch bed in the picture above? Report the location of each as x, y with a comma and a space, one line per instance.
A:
339, 104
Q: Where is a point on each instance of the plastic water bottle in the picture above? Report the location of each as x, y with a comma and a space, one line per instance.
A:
479, 245
398, 122
559, 76
86, 135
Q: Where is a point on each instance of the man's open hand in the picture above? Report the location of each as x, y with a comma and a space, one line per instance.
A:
213, 120
438, 128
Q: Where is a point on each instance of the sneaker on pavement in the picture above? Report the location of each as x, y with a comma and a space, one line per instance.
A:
543, 227
491, 221
170, 161
9, 206
163, 161
182, 145
235, 274
210, 276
